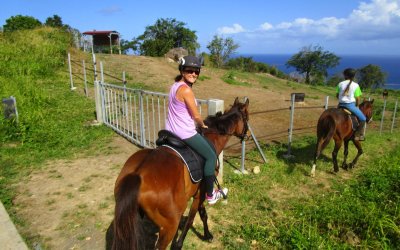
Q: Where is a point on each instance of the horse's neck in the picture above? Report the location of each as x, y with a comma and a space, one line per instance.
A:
219, 141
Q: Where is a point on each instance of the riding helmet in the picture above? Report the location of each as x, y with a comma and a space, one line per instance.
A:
349, 73
189, 61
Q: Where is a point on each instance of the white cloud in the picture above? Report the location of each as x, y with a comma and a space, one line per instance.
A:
375, 20
237, 28
266, 26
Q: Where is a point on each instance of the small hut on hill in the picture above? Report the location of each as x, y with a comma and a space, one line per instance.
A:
102, 40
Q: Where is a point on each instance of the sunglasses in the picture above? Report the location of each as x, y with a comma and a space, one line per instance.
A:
190, 71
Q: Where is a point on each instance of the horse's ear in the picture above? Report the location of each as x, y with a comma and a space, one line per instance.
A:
247, 102
236, 102
372, 101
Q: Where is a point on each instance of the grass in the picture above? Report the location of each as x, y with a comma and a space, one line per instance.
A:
52, 119
283, 208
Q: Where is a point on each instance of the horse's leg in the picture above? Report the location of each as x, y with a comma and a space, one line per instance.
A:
189, 222
345, 153
204, 217
338, 144
359, 153
168, 229
318, 151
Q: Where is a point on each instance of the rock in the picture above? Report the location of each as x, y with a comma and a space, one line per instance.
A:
256, 170
176, 53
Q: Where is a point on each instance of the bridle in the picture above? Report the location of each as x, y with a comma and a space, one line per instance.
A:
243, 136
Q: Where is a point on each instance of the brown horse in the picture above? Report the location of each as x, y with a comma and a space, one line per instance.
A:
156, 184
336, 123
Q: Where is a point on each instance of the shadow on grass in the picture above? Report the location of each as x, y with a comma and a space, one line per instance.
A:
302, 156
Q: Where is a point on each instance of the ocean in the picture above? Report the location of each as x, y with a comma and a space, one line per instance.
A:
388, 64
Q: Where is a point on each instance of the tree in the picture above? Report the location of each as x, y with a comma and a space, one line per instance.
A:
20, 22
126, 46
164, 35
314, 62
54, 21
371, 76
221, 49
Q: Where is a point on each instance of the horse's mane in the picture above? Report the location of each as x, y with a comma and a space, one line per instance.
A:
366, 103
222, 122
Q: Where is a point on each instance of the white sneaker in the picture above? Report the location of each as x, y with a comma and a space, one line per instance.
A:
217, 194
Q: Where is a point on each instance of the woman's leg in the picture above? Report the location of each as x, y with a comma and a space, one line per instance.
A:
359, 135
356, 111
201, 146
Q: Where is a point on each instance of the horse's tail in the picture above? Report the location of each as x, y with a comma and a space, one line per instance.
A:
126, 211
325, 129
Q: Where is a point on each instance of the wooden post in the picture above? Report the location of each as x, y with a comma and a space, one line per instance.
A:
215, 106
70, 72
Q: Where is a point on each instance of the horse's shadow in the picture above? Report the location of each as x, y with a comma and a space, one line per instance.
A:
304, 155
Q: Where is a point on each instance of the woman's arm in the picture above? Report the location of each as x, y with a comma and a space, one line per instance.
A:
186, 94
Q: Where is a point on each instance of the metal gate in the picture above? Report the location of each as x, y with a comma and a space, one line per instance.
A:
137, 114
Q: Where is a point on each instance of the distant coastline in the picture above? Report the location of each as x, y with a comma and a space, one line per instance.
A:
389, 64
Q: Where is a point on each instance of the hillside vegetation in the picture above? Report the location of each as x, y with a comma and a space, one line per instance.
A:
280, 208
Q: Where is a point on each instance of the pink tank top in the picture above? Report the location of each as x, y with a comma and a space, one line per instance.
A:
179, 120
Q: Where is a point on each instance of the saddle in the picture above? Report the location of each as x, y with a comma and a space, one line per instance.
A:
354, 120
193, 161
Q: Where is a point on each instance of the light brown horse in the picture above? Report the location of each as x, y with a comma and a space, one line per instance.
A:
155, 183
336, 123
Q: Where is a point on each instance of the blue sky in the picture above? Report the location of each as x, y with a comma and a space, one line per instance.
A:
367, 27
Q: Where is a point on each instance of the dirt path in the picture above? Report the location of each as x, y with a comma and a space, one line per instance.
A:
69, 204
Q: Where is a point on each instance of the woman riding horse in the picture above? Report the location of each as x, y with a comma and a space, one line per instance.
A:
349, 94
155, 184
336, 123
183, 117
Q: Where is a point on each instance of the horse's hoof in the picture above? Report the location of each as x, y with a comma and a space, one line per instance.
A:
351, 165
209, 238
345, 166
336, 170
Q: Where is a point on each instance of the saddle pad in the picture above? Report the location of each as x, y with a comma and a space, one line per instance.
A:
353, 118
193, 161
354, 122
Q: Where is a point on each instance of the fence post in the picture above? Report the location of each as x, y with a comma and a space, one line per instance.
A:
215, 106
99, 109
125, 98
70, 72
101, 72
94, 66
394, 116
290, 130
257, 144
383, 115
326, 102
84, 78
141, 120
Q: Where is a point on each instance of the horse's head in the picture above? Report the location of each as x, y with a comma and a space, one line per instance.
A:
242, 125
232, 122
367, 108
